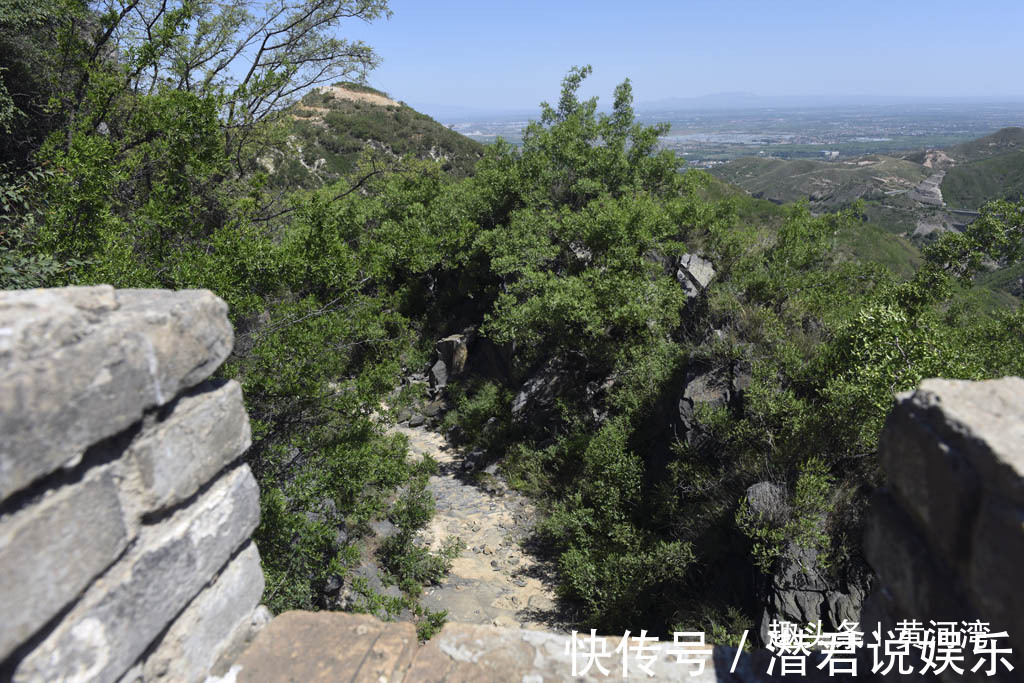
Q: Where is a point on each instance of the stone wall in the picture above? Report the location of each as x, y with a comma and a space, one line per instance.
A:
946, 535
125, 512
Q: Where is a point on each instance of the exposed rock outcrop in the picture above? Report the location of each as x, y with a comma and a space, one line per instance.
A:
694, 274
536, 397
452, 353
707, 388
946, 535
768, 501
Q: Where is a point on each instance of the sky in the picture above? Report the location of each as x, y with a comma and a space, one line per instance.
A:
508, 55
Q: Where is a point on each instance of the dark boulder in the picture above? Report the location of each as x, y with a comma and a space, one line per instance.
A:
536, 397
768, 501
703, 387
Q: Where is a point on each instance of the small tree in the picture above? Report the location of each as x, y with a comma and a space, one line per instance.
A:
255, 60
167, 108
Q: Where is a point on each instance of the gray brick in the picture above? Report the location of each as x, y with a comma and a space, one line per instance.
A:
128, 607
81, 365
171, 459
211, 624
50, 551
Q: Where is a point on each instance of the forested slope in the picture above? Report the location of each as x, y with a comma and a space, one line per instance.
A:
333, 126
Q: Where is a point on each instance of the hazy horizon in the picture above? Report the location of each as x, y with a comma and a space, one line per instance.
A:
731, 101
511, 56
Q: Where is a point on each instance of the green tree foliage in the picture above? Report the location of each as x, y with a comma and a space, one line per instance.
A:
574, 229
150, 182
27, 77
253, 60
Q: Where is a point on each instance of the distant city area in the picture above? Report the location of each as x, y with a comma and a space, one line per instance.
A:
708, 138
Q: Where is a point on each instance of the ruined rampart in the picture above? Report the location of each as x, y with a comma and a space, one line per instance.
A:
125, 516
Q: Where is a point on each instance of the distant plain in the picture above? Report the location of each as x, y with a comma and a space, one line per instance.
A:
705, 137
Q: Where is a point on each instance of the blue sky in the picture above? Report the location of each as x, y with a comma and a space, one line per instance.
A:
497, 54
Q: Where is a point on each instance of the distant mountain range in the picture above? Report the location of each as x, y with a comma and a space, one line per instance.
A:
458, 112
744, 100
716, 102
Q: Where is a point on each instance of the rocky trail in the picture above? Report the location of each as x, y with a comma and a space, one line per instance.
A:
493, 580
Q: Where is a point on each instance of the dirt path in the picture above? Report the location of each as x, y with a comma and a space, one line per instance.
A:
493, 581
929, 190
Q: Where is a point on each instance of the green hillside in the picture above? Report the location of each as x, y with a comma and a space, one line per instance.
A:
828, 185
1000, 142
867, 241
988, 168
898, 219
332, 126
970, 185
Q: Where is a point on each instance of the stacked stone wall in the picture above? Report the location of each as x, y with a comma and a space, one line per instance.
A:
945, 536
125, 510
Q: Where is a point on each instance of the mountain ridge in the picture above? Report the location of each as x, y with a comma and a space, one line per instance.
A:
332, 126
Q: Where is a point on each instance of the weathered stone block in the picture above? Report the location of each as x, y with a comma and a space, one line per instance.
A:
439, 375
985, 422
124, 611
36, 322
694, 274
211, 623
921, 585
172, 458
80, 366
188, 329
997, 558
328, 646
934, 481
51, 550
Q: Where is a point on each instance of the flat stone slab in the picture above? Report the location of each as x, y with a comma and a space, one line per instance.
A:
328, 646
337, 646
